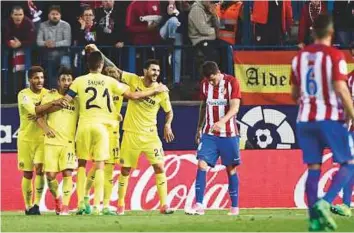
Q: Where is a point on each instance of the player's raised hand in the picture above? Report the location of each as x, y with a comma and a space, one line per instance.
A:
168, 134
161, 88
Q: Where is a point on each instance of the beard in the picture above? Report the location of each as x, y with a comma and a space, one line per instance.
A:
53, 22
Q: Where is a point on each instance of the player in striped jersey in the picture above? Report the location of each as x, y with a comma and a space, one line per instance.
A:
319, 76
344, 209
220, 95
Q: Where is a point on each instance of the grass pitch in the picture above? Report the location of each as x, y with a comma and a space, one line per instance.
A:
214, 220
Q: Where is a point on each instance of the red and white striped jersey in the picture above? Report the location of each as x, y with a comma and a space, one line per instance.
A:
218, 104
351, 89
313, 70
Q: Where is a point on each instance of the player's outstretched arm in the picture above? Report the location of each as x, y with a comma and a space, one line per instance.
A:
168, 134
52, 106
41, 122
341, 89
142, 94
201, 121
234, 107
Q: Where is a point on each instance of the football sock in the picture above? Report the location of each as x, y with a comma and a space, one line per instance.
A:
122, 189
311, 189
53, 187
27, 191
39, 186
108, 184
67, 189
81, 182
200, 185
233, 189
347, 192
89, 181
342, 177
99, 184
161, 184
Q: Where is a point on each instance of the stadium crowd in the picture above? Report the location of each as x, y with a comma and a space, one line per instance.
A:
53, 30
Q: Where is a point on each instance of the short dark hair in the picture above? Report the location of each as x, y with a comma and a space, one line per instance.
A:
322, 26
54, 8
209, 68
64, 70
16, 8
150, 62
33, 70
94, 60
87, 8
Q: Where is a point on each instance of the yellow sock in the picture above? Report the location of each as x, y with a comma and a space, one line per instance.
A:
39, 186
161, 184
53, 188
122, 189
89, 181
99, 184
27, 191
108, 184
67, 189
81, 182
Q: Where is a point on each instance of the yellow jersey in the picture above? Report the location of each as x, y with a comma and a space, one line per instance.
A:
95, 92
118, 103
63, 121
141, 115
27, 102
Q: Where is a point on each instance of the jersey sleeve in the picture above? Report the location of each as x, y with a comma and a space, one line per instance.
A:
340, 70
166, 103
74, 88
26, 102
235, 89
293, 74
129, 78
119, 88
202, 92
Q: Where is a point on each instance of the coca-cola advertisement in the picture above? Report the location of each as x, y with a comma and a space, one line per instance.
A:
268, 179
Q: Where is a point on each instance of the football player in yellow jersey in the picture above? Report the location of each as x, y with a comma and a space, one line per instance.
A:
59, 127
96, 116
114, 152
140, 132
30, 140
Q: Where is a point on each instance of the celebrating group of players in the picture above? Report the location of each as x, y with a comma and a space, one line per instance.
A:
64, 128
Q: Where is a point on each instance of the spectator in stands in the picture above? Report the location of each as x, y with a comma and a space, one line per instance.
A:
19, 33
54, 37
110, 30
202, 29
142, 21
85, 31
310, 11
171, 21
273, 20
343, 16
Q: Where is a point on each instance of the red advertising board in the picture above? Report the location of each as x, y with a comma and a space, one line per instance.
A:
268, 178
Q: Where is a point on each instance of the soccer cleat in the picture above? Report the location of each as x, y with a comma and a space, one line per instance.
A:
322, 208
87, 205
58, 205
315, 225
96, 211
107, 211
197, 209
342, 210
27, 212
166, 210
234, 211
64, 210
81, 208
34, 210
120, 210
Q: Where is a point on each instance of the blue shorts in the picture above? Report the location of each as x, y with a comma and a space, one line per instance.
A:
314, 137
211, 147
